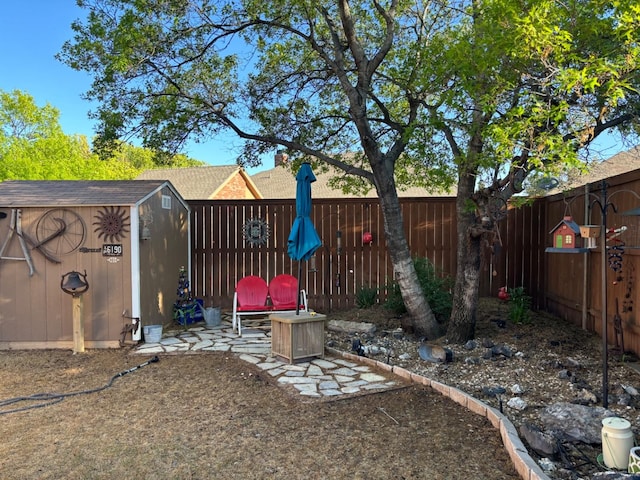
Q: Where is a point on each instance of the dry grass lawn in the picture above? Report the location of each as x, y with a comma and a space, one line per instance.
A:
216, 416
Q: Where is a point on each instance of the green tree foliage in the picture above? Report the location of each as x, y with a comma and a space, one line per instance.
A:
34, 147
476, 93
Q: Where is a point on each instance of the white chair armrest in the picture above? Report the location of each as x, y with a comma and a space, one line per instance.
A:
234, 315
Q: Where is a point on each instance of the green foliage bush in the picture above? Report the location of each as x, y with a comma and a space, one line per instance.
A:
366, 297
436, 287
519, 305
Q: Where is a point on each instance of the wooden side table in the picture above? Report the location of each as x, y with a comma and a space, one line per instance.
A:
297, 337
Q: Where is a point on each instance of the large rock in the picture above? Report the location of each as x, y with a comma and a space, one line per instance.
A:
544, 444
435, 353
351, 327
575, 423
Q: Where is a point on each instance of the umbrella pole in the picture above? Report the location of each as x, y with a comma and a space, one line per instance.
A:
298, 292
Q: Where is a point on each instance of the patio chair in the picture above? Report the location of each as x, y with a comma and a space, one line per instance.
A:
250, 298
284, 294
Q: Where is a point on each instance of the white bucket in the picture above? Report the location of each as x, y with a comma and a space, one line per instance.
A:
617, 441
152, 333
212, 316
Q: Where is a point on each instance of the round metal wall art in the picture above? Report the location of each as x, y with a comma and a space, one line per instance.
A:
111, 223
60, 231
256, 231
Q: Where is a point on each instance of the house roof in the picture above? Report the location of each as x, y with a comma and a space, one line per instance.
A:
618, 164
201, 183
280, 182
49, 193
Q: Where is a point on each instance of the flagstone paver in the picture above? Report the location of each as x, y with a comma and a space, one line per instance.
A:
317, 378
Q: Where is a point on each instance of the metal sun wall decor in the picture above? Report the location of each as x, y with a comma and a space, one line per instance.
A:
111, 223
256, 231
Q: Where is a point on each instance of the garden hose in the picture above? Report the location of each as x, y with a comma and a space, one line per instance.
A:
47, 399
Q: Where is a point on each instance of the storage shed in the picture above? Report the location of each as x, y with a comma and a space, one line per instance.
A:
131, 238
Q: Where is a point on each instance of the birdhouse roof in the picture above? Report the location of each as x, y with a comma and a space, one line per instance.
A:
568, 221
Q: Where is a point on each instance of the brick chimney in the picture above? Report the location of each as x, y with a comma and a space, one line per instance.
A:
281, 158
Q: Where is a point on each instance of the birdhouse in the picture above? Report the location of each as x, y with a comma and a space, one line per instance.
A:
565, 233
590, 233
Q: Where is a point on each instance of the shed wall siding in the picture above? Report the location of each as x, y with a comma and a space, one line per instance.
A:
35, 309
161, 257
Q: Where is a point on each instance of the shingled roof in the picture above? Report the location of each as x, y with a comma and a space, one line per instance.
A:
64, 193
622, 162
201, 183
618, 164
280, 182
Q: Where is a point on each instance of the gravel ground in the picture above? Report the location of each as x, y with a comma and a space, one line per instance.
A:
540, 363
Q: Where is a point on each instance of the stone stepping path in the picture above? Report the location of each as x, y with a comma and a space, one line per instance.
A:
328, 377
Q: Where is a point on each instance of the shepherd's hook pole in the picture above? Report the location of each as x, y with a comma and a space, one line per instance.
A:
603, 266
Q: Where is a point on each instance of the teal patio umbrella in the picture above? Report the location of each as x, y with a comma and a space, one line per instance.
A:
303, 239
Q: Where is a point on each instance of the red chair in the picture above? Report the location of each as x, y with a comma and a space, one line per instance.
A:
250, 297
283, 290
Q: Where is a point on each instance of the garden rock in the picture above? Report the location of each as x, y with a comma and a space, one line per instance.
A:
516, 389
345, 326
470, 345
502, 350
544, 444
517, 403
435, 353
575, 423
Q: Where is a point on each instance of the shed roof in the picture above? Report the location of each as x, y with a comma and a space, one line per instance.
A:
200, 183
49, 193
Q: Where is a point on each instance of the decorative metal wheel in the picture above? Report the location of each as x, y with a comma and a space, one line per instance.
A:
256, 231
60, 231
111, 223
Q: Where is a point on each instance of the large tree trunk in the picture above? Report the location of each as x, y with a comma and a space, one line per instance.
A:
462, 324
422, 319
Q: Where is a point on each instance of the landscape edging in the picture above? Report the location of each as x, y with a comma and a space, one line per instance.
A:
526, 467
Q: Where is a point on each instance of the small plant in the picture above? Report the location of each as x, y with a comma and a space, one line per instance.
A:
437, 289
366, 297
519, 306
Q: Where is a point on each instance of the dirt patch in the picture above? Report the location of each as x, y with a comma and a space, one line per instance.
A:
216, 416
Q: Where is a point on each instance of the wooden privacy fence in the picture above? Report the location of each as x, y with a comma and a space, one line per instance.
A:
568, 285
574, 282
343, 265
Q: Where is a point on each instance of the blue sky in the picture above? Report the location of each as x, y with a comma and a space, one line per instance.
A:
33, 31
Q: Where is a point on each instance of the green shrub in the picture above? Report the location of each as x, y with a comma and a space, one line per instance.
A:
437, 289
519, 306
366, 297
